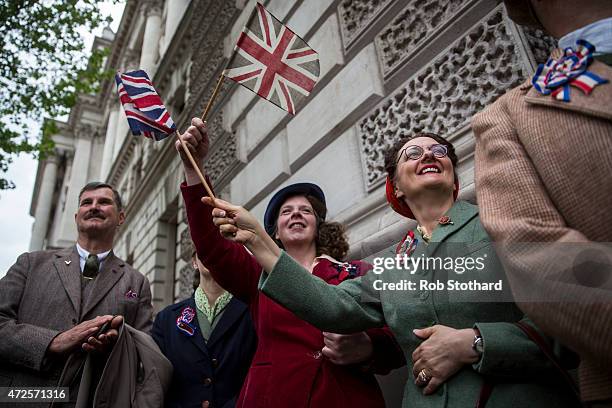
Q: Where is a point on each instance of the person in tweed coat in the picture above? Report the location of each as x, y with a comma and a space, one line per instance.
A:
50, 311
541, 170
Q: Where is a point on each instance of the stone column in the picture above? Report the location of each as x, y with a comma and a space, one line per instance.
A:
174, 14
43, 205
79, 176
109, 141
150, 44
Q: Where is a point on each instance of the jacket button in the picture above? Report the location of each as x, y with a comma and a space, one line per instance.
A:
424, 295
316, 354
206, 404
207, 381
214, 362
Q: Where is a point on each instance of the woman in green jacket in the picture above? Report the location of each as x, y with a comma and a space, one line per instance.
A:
441, 291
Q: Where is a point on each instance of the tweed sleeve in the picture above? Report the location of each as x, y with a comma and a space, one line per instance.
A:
518, 213
22, 344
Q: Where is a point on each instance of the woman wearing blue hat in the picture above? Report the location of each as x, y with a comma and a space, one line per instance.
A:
466, 344
295, 365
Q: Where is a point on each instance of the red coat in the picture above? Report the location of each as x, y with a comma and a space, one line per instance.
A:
288, 369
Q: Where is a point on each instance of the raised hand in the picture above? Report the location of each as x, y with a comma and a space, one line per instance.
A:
235, 223
238, 225
196, 140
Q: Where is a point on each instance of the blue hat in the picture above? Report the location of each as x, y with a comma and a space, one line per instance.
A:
305, 189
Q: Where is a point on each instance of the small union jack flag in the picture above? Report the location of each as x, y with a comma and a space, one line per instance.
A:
145, 111
273, 62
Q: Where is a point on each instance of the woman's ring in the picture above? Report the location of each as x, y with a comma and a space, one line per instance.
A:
423, 377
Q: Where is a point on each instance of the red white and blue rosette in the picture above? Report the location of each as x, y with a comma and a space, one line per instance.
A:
183, 321
557, 75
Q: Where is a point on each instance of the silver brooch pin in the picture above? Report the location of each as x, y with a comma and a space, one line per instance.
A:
68, 262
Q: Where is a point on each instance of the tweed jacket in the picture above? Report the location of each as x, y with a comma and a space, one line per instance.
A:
41, 297
288, 369
212, 370
542, 171
523, 377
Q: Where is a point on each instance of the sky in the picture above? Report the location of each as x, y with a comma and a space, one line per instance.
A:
16, 222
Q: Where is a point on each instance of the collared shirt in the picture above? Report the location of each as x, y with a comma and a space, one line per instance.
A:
598, 33
324, 256
83, 254
209, 316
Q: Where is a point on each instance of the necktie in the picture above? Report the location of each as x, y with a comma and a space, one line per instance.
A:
92, 266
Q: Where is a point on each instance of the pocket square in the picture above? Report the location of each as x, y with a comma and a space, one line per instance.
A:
130, 294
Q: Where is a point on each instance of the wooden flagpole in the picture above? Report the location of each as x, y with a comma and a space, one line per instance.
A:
195, 166
213, 96
186, 149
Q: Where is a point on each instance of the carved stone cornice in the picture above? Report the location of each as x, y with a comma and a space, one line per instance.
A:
186, 245
417, 22
356, 15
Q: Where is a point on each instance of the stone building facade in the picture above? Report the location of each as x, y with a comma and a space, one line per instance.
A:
388, 68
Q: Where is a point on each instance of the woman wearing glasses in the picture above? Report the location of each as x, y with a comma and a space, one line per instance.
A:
462, 342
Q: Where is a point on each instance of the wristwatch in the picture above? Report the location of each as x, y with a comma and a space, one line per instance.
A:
478, 345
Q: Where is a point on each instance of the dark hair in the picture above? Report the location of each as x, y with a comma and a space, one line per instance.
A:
331, 236
196, 270
95, 185
392, 152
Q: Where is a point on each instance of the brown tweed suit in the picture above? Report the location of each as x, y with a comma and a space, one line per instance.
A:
543, 171
40, 297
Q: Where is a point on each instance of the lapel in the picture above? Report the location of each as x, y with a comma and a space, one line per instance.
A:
197, 339
233, 311
597, 104
68, 268
111, 272
460, 214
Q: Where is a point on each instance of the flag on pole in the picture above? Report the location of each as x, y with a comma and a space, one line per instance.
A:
145, 111
272, 61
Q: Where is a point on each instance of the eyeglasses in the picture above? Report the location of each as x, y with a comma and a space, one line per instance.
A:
416, 152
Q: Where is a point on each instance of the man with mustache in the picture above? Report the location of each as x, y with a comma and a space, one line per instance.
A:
55, 303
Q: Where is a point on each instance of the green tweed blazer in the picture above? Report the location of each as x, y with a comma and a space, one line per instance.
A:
521, 374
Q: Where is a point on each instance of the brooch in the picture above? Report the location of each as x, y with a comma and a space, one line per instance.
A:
346, 270
445, 220
556, 75
407, 245
183, 322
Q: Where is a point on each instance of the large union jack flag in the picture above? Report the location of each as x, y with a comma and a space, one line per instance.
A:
273, 62
145, 111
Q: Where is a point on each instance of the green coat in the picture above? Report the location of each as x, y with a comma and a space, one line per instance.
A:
522, 374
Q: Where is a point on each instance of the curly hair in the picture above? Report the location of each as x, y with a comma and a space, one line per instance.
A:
392, 152
331, 240
330, 237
